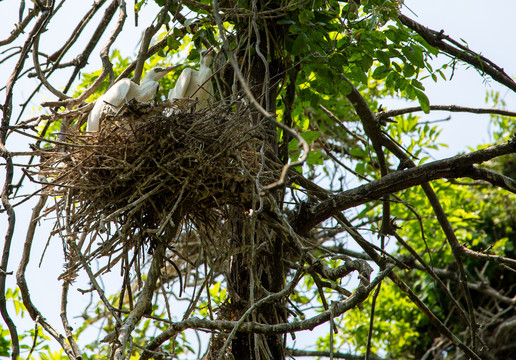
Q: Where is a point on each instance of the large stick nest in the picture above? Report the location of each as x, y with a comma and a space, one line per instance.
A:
144, 167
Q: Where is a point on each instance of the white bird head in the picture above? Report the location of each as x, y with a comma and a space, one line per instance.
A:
157, 73
207, 56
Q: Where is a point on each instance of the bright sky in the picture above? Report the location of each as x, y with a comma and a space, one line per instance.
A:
492, 35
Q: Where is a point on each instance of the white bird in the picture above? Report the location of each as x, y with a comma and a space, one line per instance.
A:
125, 90
196, 84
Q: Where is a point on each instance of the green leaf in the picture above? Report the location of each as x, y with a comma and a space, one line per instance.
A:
423, 101
345, 88
309, 136
383, 57
415, 55
177, 32
173, 43
366, 62
381, 72
305, 17
314, 158
390, 80
410, 91
139, 5
286, 22
337, 60
357, 74
299, 45
408, 70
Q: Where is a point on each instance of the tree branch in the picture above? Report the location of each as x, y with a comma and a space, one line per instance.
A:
20, 27
452, 108
454, 167
493, 178
82, 59
449, 46
339, 308
11, 220
22, 283
336, 355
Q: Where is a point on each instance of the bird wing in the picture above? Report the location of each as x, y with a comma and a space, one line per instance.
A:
179, 91
94, 115
116, 96
118, 93
202, 88
146, 91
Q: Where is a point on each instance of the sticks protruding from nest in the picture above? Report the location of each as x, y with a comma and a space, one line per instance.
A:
143, 168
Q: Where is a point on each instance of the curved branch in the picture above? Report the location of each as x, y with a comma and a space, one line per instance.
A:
493, 178
39, 73
8, 104
82, 59
283, 293
451, 108
20, 27
339, 308
147, 37
453, 167
451, 47
143, 302
325, 353
58, 54
9, 172
22, 283
104, 52
145, 298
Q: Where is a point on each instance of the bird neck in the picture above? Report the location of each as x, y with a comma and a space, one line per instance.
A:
148, 79
206, 62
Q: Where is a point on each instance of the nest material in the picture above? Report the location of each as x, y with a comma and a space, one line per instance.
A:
144, 167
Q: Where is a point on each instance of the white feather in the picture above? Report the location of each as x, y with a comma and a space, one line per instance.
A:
195, 84
125, 90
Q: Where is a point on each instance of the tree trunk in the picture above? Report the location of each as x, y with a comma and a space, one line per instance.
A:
268, 263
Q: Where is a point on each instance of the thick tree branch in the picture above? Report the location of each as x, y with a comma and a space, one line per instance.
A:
454, 167
449, 46
493, 178
335, 355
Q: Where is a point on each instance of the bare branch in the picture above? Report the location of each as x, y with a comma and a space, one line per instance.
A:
7, 107
6, 191
336, 354
35, 60
451, 108
20, 27
22, 284
85, 54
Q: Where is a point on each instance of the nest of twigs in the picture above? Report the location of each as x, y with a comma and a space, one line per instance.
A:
145, 169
